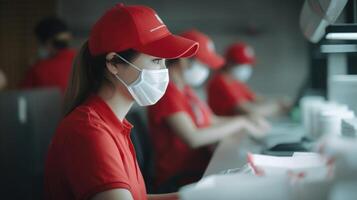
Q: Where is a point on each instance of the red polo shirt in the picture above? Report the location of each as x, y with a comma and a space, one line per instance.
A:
173, 155
91, 152
51, 72
225, 93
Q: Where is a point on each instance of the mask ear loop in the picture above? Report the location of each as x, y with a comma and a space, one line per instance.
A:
126, 85
129, 63
163, 65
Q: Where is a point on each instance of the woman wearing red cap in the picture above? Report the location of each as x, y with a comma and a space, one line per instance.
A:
182, 126
91, 155
228, 85
55, 57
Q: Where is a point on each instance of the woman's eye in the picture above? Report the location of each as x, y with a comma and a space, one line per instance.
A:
157, 61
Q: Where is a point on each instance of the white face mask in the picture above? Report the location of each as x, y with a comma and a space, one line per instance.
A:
196, 74
150, 85
242, 72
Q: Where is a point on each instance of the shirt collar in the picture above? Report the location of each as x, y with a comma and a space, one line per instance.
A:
108, 116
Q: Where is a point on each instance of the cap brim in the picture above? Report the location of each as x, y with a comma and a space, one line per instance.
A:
213, 60
170, 47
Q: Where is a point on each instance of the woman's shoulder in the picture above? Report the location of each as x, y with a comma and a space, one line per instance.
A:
85, 113
217, 80
81, 126
83, 117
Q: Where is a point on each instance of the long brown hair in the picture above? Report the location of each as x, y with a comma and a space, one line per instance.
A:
88, 74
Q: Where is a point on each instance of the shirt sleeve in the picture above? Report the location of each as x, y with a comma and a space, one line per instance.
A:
93, 163
249, 94
169, 104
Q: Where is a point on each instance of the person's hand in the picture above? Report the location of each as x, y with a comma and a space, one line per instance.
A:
285, 104
256, 128
259, 121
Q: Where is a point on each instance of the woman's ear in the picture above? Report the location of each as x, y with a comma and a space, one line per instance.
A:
111, 66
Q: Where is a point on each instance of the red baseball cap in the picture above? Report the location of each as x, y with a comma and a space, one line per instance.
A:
241, 53
206, 53
140, 28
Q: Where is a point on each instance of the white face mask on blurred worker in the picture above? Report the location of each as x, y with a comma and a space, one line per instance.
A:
242, 72
196, 74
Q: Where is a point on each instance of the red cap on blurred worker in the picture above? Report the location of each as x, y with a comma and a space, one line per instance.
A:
139, 28
206, 53
241, 53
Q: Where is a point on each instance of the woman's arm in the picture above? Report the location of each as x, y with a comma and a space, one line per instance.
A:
195, 137
265, 107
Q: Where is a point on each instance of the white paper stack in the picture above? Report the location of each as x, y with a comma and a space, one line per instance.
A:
342, 89
276, 185
323, 117
349, 127
306, 105
311, 155
343, 151
330, 120
308, 166
316, 110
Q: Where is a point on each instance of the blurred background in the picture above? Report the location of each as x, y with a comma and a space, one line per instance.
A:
270, 26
